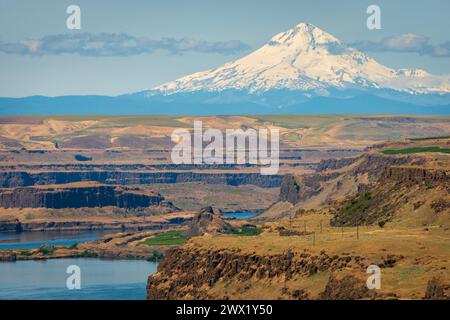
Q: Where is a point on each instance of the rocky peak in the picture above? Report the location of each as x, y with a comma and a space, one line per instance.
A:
303, 35
207, 221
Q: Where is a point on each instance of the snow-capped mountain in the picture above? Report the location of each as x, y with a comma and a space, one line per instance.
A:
305, 58
303, 70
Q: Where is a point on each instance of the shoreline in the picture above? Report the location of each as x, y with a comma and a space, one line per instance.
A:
115, 246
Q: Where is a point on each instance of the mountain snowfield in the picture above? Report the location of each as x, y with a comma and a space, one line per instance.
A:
306, 58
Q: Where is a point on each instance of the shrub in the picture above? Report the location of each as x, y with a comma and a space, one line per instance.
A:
80, 157
47, 249
26, 253
87, 254
381, 223
155, 257
73, 246
245, 231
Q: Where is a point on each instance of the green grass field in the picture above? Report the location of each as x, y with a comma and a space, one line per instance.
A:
173, 237
416, 150
245, 231
430, 138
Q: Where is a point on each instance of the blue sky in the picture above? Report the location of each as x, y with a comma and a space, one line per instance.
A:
181, 37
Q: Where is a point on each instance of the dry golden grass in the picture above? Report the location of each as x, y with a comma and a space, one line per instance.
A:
426, 253
316, 131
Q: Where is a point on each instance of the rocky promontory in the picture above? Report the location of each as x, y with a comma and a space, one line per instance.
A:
207, 221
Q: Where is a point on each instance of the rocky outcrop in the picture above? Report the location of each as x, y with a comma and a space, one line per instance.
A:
193, 273
437, 290
332, 164
190, 273
207, 221
413, 174
10, 179
440, 205
294, 189
11, 225
347, 288
290, 189
371, 163
58, 197
396, 189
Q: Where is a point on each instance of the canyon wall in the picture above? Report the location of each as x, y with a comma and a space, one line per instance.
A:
295, 189
193, 273
10, 179
76, 197
372, 163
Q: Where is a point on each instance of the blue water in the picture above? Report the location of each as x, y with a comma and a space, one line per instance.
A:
240, 215
30, 240
100, 279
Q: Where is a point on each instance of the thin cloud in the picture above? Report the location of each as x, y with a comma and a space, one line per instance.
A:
115, 44
405, 43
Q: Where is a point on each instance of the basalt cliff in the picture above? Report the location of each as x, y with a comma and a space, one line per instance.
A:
9, 179
195, 273
77, 196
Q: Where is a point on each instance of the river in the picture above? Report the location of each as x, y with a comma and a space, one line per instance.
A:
100, 279
240, 215
30, 240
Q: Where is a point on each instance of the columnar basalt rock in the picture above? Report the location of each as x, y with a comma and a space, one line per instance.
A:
414, 174
371, 163
58, 197
188, 273
9, 179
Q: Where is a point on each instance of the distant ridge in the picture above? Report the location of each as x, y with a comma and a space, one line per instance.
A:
85, 105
